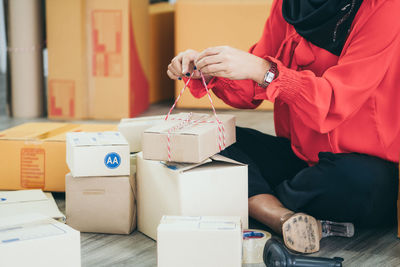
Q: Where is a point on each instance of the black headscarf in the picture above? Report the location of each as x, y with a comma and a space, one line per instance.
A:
325, 23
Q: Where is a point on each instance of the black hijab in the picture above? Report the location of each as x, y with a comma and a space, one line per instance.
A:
325, 23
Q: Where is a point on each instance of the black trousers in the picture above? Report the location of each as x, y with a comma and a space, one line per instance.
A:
351, 187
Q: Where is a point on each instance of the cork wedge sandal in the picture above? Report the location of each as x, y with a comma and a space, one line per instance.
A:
302, 233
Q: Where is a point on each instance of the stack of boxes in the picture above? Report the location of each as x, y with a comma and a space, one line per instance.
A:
100, 189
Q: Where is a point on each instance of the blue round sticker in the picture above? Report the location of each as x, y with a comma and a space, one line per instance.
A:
112, 160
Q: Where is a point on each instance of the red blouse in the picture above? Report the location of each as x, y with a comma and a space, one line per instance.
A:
323, 102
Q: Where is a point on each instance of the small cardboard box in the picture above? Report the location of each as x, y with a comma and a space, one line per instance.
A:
216, 187
101, 204
132, 130
199, 241
32, 155
36, 240
226, 21
97, 154
192, 142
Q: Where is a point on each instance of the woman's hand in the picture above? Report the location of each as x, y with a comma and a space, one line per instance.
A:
183, 65
231, 63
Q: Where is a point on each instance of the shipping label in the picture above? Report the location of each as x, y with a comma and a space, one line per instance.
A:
33, 162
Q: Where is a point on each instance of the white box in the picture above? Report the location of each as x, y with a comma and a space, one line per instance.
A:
97, 154
37, 240
132, 130
199, 242
216, 187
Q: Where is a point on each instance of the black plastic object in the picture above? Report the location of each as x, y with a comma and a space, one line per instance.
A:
276, 254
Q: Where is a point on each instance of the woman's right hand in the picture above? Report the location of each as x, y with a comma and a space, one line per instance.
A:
183, 65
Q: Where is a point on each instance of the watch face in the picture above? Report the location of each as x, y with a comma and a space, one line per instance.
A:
269, 77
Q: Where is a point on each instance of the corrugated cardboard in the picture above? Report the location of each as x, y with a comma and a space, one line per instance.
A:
25, 201
199, 241
101, 204
214, 188
194, 142
97, 154
118, 53
36, 240
161, 50
98, 58
229, 22
67, 95
32, 155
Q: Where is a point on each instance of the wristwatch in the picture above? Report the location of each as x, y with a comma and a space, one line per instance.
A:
271, 74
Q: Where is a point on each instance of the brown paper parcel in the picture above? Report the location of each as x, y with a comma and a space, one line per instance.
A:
192, 143
101, 204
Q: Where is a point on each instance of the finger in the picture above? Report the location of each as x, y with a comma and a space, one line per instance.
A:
174, 71
187, 63
213, 69
208, 52
209, 60
176, 65
173, 76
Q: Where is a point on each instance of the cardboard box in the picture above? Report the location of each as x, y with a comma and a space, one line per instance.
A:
104, 73
101, 204
118, 53
199, 241
132, 130
229, 22
67, 95
194, 137
97, 154
36, 240
217, 187
32, 155
162, 43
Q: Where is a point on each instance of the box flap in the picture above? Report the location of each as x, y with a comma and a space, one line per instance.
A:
198, 124
214, 223
143, 120
7, 197
183, 167
96, 139
35, 131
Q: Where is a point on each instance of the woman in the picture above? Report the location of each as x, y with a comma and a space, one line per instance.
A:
331, 67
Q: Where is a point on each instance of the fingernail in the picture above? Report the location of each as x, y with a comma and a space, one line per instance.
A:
179, 78
195, 68
188, 74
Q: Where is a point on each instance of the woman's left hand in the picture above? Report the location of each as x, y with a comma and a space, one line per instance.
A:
231, 63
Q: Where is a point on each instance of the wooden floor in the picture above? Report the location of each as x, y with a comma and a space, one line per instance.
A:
369, 247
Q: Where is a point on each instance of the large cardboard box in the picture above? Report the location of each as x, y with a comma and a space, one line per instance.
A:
67, 63
37, 240
199, 241
216, 187
189, 137
118, 53
98, 58
32, 155
101, 204
229, 22
162, 43
97, 154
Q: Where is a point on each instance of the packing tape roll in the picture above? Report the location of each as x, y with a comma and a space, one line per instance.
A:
253, 245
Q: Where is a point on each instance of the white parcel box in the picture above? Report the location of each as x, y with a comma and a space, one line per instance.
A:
132, 130
97, 154
37, 240
216, 187
199, 242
